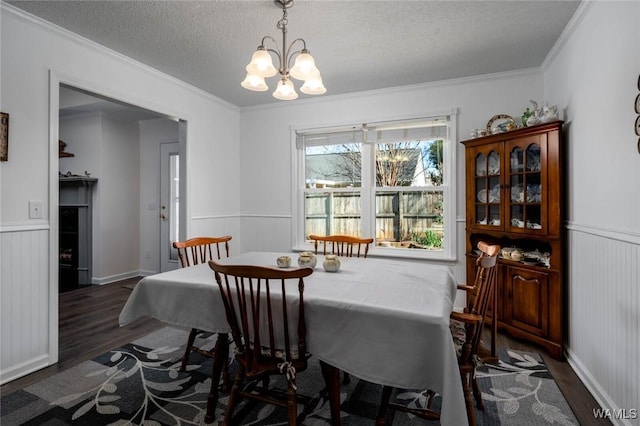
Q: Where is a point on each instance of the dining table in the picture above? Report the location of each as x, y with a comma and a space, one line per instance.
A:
383, 320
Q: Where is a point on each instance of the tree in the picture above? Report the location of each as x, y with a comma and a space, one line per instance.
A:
435, 163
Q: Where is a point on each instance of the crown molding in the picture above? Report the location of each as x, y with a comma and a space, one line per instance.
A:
401, 89
85, 42
568, 31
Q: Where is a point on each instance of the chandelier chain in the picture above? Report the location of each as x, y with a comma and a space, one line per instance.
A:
282, 23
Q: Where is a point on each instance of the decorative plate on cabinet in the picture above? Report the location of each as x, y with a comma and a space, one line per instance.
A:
501, 123
494, 194
494, 164
481, 166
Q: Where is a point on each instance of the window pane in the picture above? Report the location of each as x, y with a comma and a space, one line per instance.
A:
332, 213
410, 219
384, 180
333, 166
417, 163
174, 205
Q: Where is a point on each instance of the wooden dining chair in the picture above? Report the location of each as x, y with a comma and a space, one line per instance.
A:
201, 249
466, 329
265, 311
192, 252
342, 245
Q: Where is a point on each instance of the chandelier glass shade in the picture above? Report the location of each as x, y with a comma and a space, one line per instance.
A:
303, 69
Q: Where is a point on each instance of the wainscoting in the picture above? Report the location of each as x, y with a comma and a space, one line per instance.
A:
603, 313
25, 299
603, 337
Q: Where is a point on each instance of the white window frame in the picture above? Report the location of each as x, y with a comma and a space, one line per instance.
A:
368, 191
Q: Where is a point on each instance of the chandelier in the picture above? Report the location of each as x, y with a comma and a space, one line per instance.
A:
304, 68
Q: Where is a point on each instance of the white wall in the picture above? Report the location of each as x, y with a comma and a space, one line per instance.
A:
109, 150
82, 136
593, 78
117, 254
266, 141
30, 51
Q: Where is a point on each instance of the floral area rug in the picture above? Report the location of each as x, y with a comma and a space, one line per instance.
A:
140, 384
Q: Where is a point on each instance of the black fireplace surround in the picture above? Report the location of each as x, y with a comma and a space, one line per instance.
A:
75, 259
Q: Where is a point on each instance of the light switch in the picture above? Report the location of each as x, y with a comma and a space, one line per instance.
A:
35, 210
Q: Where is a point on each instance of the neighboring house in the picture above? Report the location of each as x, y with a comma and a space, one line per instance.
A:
343, 169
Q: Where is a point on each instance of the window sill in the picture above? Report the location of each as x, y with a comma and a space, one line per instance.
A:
391, 253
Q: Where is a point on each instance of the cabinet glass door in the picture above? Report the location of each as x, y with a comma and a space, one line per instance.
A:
525, 188
487, 188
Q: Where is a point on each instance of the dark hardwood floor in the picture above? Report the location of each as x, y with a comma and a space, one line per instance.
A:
89, 327
579, 398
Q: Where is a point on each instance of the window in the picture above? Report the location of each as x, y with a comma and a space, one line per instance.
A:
390, 180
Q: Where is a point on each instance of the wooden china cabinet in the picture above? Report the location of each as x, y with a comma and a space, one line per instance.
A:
515, 198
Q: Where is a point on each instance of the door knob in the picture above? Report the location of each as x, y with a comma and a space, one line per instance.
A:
162, 216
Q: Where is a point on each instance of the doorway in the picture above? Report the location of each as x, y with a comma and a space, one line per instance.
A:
118, 143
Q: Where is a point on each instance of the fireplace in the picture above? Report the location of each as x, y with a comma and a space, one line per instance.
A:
75, 229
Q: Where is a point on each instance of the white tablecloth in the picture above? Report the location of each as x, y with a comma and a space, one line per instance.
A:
382, 320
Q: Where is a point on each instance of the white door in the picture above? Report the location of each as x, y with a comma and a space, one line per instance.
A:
169, 204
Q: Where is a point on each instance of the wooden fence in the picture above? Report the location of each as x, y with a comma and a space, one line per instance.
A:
399, 214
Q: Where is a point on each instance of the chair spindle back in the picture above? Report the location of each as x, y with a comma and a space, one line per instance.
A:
342, 245
258, 302
201, 249
484, 284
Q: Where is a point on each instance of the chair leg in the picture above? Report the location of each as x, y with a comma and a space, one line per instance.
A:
476, 392
384, 405
468, 398
346, 379
331, 377
292, 404
220, 359
185, 358
233, 397
430, 395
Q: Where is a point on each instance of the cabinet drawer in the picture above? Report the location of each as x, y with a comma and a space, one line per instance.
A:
526, 296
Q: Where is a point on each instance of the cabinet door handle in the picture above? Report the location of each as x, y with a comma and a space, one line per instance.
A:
521, 278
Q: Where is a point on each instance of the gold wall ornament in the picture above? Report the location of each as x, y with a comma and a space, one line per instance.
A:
636, 107
61, 152
4, 136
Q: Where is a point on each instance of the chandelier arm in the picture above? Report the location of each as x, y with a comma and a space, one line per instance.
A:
290, 55
273, 40
276, 51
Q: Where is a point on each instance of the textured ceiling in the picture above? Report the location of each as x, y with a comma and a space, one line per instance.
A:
358, 45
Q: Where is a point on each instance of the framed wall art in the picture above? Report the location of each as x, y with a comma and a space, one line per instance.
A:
4, 136
636, 107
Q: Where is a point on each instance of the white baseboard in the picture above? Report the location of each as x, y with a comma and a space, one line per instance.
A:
600, 395
114, 278
24, 368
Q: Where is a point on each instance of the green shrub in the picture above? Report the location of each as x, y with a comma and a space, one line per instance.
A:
429, 238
